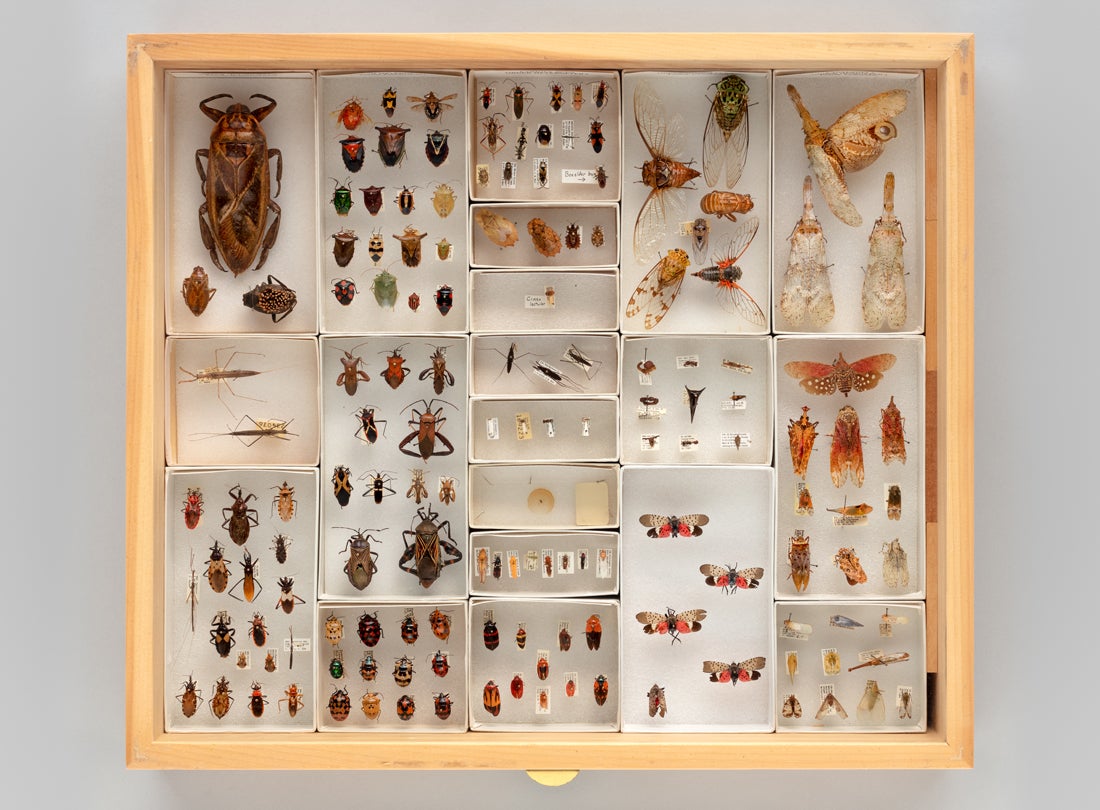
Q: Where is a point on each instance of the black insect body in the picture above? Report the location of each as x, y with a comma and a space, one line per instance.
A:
222, 634
341, 485
247, 582
380, 481
271, 298
353, 153
424, 558
287, 599
368, 424
596, 136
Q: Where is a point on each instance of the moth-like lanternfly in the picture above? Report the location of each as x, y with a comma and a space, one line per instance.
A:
806, 288
846, 454
729, 578
672, 526
825, 379
893, 433
884, 279
673, 623
747, 670
791, 707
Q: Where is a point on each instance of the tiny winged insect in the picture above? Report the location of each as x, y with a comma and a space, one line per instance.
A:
673, 623
791, 707
732, 297
893, 434
730, 578
854, 141
893, 502
846, 453
658, 290
656, 700
663, 173
807, 292
726, 136
663, 526
895, 565
884, 282
825, 379
747, 670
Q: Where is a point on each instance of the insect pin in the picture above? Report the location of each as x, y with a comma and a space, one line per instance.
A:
673, 623
730, 578
664, 526
734, 673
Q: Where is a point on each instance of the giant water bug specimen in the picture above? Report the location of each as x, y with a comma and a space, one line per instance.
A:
236, 186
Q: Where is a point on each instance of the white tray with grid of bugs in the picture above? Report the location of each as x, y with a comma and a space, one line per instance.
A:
544, 564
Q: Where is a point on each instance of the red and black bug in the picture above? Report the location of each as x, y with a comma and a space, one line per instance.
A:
443, 705
258, 630
351, 115
556, 99
672, 526
368, 425
565, 640
414, 302
491, 635
673, 623
596, 136
444, 298
344, 290
405, 707
440, 665
441, 624
370, 629
601, 95
395, 372
240, 518
542, 668
257, 700
339, 705
341, 485
217, 570
410, 630
403, 671
570, 688
593, 631
601, 177
599, 689
521, 637
729, 578
353, 153
486, 93
516, 687
721, 672
490, 698
192, 507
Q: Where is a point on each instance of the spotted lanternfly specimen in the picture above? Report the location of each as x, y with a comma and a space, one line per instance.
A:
410, 241
192, 507
391, 144
351, 150
599, 689
372, 199
748, 670
596, 136
441, 624
339, 705
491, 636
351, 114
895, 565
410, 630
287, 598
846, 560
593, 631
189, 698
389, 102
443, 705
372, 705
436, 148
395, 372
368, 667
197, 291
802, 434
846, 454
656, 700
798, 554
893, 434
490, 698
341, 198
791, 707
272, 297
824, 379
664, 526
516, 687
222, 634
730, 578
223, 698
572, 236
341, 485
370, 629
403, 671
893, 502
673, 623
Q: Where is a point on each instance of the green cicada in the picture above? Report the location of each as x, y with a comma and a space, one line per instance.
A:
726, 137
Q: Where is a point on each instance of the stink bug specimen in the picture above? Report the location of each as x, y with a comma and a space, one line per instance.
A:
391, 144
339, 705
443, 705
441, 624
368, 667
343, 246
384, 287
405, 707
344, 291
443, 200
436, 148
351, 115
410, 241
410, 630
240, 518
370, 629
197, 291
389, 102
405, 201
444, 298
424, 558
341, 198
372, 705
372, 200
440, 665
352, 152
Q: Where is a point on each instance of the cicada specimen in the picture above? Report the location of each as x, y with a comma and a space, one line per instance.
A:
884, 280
664, 173
854, 141
726, 137
895, 565
842, 376
725, 273
807, 292
659, 288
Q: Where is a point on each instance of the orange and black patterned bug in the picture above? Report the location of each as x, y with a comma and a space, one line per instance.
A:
521, 637
824, 379
223, 698
596, 136
441, 624
491, 635
222, 634
846, 453
197, 291
247, 580
257, 700
410, 630
351, 114
341, 484
443, 705
372, 705
258, 630
294, 699
802, 434
516, 687
570, 688
287, 598
217, 570
663, 526
572, 236
344, 290
370, 629
389, 102
486, 94
656, 700
403, 671
395, 372
599, 689
490, 698
189, 698
368, 667
556, 99
352, 152
593, 631
406, 707
339, 705
440, 665
798, 554
240, 518
565, 640
671, 622
542, 668
721, 672
192, 507
729, 578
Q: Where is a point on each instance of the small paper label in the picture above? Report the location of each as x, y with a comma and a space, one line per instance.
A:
651, 442
586, 426
849, 520
687, 361
869, 655
508, 175
686, 228
593, 503
886, 629
492, 429
300, 645
567, 136
603, 563
523, 426
738, 402
536, 302
579, 176
689, 443
734, 440
531, 561
645, 379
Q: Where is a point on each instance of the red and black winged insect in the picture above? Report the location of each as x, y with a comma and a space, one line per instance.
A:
824, 378
673, 526
731, 578
747, 670
673, 623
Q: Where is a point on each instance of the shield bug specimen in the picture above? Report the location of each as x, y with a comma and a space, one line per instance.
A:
655, 698
492, 127
372, 705
344, 290
287, 598
237, 186
410, 241
372, 199
729, 578
802, 435
192, 507
664, 174
444, 298
664, 526
414, 302
222, 634
659, 288
395, 372
405, 201
893, 433
673, 623
443, 249
516, 686
846, 560
854, 141
824, 379
447, 490
726, 136
352, 152
440, 665
491, 636
846, 453
189, 698
572, 236
248, 579
433, 106
596, 136
599, 689
436, 148
441, 624
258, 630
339, 705
542, 668
380, 481
807, 291
272, 297
334, 629
748, 670
410, 630
798, 555
389, 102
443, 200
384, 288
403, 671
500, 230
294, 699
544, 135
893, 502
593, 631
490, 698
240, 518
376, 248
223, 698
285, 503
368, 667
351, 115
341, 198
362, 562
343, 247
257, 700
417, 489
341, 484
197, 291
443, 705
426, 426
217, 571
425, 557
336, 665
368, 425
438, 371
391, 144
370, 629
725, 273
895, 565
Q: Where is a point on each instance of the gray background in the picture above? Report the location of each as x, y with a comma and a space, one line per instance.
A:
62, 209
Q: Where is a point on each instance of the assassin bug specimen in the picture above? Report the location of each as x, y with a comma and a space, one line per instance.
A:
285, 503
405, 707
294, 700
655, 698
893, 433
197, 291
379, 484
339, 705
258, 630
272, 297
673, 623
222, 634
362, 563
725, 273
417, 488
368, 667
438, 371
447, 490
344, 291
433, 106
341, 197
726, 136
391, 144
441, 624
190, 698
492, 139
351, 114
217, 570
389, 102
490, 698
424, 558
223, 698
825, 379
352, 375
341, 485
257, 700
436, 148
730, 578
220, 375
747, 670
599, 689
555, 377
802, 435
395, 372
368, 424
193, 590
240, 518
410, 630
427, 425
192, 507
370, 629
352, 152
664, 526
236, 186
486, 95
491, 636
287, 598
403, 671
247, 580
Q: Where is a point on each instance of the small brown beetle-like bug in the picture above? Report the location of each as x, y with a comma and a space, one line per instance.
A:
189, 698
343, 247
597, 236
271, 298
217, 571
372, 705
240, 518
223, 698
572, 236
197, 291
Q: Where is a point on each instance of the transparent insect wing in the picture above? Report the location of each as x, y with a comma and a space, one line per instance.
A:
726, 137
658, 290
664, 138
662, 206
807, 291
731, 296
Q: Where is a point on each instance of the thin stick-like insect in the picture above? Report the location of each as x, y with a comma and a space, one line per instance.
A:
552, 375
275, 428
220, 375
509, 359
882, 661
734, 366
582, 361
193, 590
